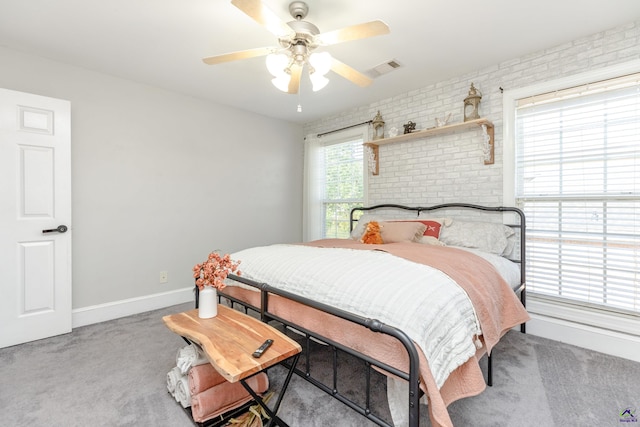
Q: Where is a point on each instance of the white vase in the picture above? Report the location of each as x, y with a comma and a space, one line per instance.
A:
208, 303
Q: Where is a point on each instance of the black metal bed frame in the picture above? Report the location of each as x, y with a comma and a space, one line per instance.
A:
521, 226
413, 376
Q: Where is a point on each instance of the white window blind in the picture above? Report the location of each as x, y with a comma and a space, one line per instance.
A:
578, 181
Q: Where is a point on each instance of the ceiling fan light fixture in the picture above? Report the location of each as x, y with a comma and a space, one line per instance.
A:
282, 82
318, 81
297, 40
299, 52
277, 64
321, 62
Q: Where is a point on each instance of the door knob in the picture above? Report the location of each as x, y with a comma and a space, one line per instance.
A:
59, 229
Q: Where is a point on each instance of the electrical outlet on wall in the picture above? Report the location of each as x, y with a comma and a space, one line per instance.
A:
164, 276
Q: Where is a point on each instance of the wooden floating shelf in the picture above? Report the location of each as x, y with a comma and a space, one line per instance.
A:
432, 132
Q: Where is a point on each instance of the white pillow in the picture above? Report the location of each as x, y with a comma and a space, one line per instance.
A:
484, 236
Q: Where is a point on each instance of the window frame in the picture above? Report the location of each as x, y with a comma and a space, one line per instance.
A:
577, 312
313, 220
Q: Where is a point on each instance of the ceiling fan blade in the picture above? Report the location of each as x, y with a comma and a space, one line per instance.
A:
349, 73
241, 54
264, 16
294, 83
354, 32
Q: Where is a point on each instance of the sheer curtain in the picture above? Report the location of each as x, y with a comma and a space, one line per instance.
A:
312, 189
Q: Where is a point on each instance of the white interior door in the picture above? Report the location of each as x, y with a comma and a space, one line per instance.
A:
35, 196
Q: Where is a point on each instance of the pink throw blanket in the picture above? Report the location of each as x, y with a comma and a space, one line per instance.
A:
202, 377
496, 305
225, 396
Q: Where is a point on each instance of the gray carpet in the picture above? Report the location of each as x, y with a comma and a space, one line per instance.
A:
114, 374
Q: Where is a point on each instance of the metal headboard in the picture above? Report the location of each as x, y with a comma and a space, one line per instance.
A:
520, 227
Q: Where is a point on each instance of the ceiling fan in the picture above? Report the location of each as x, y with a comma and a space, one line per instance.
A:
297, 41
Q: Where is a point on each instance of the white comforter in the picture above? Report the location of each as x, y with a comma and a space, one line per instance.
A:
422, 301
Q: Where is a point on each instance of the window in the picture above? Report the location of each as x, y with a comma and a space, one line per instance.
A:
577, 178
343, 186
335, 182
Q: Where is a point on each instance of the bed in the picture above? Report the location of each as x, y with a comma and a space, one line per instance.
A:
422, 308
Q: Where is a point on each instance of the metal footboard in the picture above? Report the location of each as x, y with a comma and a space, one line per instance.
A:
413, 376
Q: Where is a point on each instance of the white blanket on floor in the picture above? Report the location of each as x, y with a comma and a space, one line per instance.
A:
182, 395
173, 376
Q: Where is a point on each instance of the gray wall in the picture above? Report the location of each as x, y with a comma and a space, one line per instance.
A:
160, 179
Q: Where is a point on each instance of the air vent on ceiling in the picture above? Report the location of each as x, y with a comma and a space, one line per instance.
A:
384, 68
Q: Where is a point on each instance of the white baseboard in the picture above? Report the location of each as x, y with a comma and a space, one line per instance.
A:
114, 310
597, 339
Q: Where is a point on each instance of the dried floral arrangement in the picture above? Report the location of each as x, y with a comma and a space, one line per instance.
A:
215, 270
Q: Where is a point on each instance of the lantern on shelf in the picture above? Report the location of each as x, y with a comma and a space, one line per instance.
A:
378, 127
471, 103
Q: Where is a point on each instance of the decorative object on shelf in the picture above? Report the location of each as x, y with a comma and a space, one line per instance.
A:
210, 276
471, 103
442, 121
409, 127
393, 132
372, 157
378, 127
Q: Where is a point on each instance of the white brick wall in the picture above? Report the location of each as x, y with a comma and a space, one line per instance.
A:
450, 168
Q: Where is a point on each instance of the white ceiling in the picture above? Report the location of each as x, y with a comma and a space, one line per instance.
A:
162, 42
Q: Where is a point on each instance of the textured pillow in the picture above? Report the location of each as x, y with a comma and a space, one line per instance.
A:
485, 236
361, 225
432, 226
398, 231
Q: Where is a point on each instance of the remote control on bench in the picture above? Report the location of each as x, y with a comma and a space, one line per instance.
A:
262, 348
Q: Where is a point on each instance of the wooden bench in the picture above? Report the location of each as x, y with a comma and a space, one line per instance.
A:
229, 340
